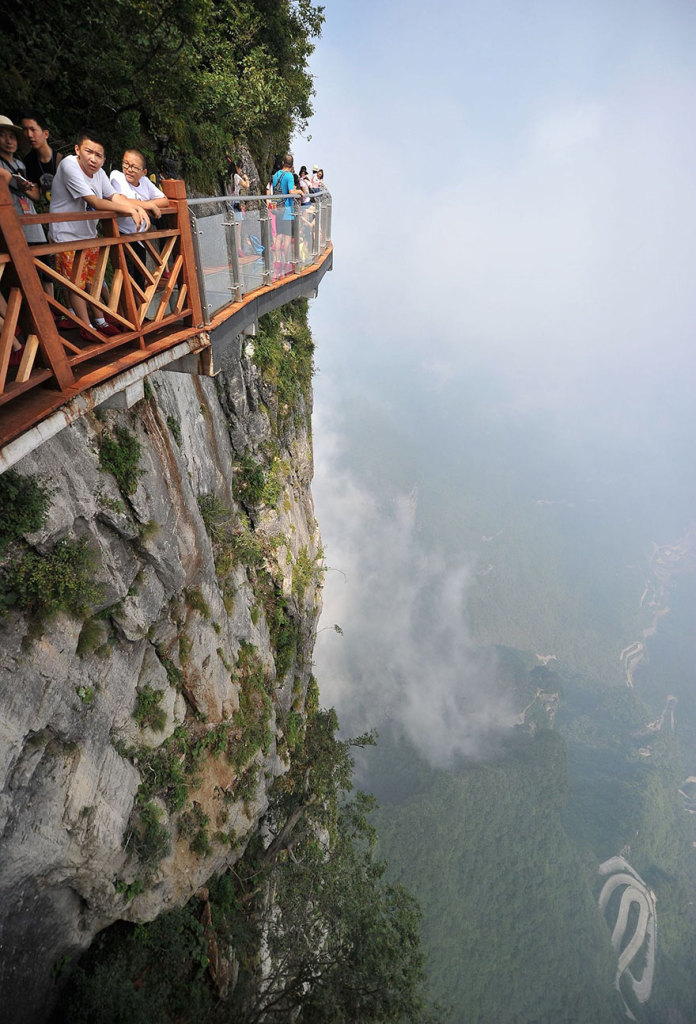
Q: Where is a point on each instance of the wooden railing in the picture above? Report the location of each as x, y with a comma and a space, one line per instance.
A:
162, 309
57, 365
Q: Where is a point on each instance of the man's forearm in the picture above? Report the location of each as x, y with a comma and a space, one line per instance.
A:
127, 205
116, 202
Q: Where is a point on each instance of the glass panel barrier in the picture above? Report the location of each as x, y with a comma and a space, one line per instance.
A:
212, 242
246, 243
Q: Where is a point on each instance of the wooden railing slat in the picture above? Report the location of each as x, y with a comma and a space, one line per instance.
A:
28, 357
98, 281
24, 272
92, 299
8, 332
116, 286
169, 287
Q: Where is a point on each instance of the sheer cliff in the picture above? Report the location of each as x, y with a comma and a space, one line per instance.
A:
155, 648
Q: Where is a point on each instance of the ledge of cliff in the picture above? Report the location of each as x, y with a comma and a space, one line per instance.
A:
139, 739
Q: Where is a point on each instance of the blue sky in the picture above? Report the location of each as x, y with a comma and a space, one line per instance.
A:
515, 211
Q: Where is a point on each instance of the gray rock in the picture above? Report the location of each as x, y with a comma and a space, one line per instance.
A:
161, 621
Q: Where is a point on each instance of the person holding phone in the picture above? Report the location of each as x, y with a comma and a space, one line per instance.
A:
23, 191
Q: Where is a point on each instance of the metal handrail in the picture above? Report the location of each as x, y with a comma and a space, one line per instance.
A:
223, 282
275, 197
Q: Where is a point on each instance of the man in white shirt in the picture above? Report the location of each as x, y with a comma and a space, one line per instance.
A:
133, 183
80, 183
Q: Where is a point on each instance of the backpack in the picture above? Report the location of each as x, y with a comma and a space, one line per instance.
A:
278, 183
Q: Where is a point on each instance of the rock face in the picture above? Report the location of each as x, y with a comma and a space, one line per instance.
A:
138, 741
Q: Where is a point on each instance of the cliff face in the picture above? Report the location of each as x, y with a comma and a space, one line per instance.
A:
139, 739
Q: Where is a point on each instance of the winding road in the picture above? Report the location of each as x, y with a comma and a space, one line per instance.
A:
635, 891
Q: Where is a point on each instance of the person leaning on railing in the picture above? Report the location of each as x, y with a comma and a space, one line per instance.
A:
81, 183
133, 183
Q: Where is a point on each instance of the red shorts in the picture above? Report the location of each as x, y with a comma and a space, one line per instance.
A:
65, 262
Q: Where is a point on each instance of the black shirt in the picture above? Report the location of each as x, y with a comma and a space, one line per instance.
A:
35, 168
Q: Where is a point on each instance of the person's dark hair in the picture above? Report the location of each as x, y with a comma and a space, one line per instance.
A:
131, 149
92, 135
287, 160
297, 180
303, 170
320, 172
31, 115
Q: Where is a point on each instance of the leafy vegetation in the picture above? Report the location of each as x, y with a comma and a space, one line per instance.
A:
184, 80
252, 719
149, 711
24, 504
147, 836
45, 584
85, 693
303, 572
249, 481
193, 825
120, 454
282, 624
175, 676
92, 637
194, 599
168, 771
129, 890
344, 946
214, 514
236, 543
175, 429
284, 352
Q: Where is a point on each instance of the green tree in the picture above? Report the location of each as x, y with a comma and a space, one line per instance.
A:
344, 945
319, 935
183, 79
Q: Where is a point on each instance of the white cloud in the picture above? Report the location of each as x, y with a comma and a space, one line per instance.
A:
406, 655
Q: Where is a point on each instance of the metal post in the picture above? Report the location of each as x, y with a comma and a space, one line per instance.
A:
195, 235
329, 210
295, 241
233, 238
266, 240
316, 207
322, 223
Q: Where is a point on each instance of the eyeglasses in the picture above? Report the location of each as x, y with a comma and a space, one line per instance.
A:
131, 167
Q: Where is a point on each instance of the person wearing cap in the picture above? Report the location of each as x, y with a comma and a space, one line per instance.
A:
315, 179
23, 191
